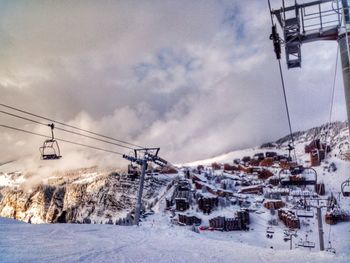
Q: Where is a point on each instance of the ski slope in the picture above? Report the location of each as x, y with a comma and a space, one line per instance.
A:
22, 242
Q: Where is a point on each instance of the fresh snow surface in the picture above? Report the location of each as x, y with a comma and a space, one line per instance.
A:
151, 242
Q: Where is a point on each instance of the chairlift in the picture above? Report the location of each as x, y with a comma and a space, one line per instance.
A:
330, 248
270, 230
305, 213
50, 149
298, 175
286, 238
305, 243
289, 234
345, 188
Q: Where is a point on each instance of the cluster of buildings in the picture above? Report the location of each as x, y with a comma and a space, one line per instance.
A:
272, 178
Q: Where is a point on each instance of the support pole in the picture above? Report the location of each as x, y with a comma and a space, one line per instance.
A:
346, 13
343, 42
320, 227
139, 196
344, 55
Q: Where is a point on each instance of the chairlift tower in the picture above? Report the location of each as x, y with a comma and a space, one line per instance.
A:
312, 21
142, 157
319, 207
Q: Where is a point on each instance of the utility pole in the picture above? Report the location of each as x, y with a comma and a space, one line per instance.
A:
315, 21
149, 155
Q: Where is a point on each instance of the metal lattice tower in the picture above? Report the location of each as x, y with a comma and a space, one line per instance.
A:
314, 21
147, 155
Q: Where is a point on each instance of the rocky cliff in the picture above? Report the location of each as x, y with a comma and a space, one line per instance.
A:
106, 198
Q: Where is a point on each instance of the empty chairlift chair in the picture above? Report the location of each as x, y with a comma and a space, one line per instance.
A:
345, 188
50, 149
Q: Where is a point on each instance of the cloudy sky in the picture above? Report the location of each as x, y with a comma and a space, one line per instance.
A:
195, 77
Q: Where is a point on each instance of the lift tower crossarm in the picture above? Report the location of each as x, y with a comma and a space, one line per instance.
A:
315, 21
307, 22
290, 8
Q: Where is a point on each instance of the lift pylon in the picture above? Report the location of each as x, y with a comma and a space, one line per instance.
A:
142, 157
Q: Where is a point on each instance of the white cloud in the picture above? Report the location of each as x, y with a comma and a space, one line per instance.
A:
196, 78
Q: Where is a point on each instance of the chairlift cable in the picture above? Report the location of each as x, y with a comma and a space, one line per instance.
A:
68, 125
61, 129
94, 138
332, 99
62, 140
284, 93
23, 118
287, 109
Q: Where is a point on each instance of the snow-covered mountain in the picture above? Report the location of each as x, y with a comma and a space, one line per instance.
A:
80, 196
336, 134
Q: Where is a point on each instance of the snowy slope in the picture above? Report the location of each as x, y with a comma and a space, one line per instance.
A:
336, 134
147, 243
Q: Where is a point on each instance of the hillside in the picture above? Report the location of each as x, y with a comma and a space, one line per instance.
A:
219, 209
88, 195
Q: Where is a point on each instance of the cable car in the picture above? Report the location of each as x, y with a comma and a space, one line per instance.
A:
50, 149
345, 188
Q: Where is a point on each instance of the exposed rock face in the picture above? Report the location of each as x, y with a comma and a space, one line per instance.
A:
337, 132
104, 199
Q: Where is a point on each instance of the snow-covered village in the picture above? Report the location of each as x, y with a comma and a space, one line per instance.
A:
175, 131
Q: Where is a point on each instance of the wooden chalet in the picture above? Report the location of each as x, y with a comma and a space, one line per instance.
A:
216, 166
183, 199
168, 170
267, 162
207, 203
316, 156
289, 218
337, 215
274, 204
181, 204
316, 145
252, 189
239, 222
189, 220
264, 174
246, 159
228, 167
